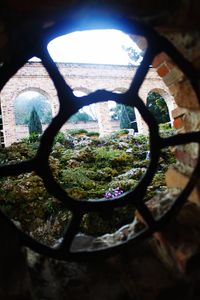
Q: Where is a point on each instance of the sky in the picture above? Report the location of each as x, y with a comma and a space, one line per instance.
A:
92, 46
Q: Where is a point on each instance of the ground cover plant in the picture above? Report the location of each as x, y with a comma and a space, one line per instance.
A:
86, 168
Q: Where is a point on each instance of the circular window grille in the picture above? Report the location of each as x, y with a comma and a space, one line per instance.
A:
70, 248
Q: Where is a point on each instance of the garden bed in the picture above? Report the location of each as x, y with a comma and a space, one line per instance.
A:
86, 168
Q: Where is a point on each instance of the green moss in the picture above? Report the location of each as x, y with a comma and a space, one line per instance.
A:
77, 193
86, 154
108, 157
85, 172
17, 152
93, 133
119, 133
77, 178
28, 198
108, 221
124, 184
76, 131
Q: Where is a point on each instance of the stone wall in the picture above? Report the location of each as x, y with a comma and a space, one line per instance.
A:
22, 130
176, 246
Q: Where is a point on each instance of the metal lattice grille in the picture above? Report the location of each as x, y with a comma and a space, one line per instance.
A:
69, 104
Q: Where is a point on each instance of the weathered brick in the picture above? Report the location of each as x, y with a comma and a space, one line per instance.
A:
185, 158
184, 95
162, 70
178, 123
191, 148
174, 179
192, 120
177, 112
173, 76
171, 64
173, 89
159, 59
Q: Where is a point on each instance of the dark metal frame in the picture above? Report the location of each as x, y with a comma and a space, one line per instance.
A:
36, 43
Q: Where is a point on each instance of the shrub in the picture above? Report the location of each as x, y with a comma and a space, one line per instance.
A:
123, 131
33, 137
165, 130
90, 172
34, 125
120, 132
80, 117
92, 133
164, 126
60, 138
77, 131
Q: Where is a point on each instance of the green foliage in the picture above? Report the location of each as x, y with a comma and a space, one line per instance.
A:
77, 178
80, 116
33, 137
60, 138
107, 222
28, 199
84, 173
120, 132
164, 126
76, 131
17, 152
24, 105
123, 131
34, 125
125, 114
113, 158
142, 139
157, 106
93, 133
166, 130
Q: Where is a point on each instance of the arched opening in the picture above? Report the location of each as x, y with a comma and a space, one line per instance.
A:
24, 104
125, 115
158, 107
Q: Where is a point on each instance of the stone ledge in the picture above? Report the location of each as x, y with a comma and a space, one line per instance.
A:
175, 179
178, 112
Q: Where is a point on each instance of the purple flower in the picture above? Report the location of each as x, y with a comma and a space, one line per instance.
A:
113, 193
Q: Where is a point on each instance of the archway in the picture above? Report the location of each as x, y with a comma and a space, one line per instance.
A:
23, 105
81, 79
125, 114
164, 104
158, 107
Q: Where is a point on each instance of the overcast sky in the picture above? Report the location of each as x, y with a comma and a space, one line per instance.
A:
93, 46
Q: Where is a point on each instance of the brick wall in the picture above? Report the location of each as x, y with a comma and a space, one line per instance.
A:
81, 77
178, 242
